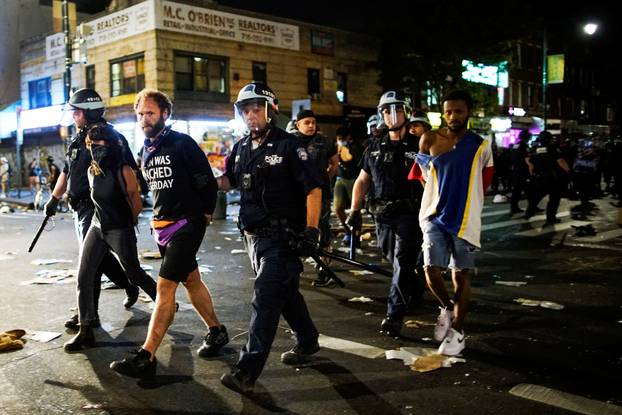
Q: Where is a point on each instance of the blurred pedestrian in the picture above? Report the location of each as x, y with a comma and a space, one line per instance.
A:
547, 170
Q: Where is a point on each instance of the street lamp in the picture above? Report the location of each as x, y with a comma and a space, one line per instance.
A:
589, 29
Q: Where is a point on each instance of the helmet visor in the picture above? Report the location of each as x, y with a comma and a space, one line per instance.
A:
253, 114
66, 118
389, 114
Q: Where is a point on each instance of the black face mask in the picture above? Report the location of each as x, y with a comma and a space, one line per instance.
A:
106, 155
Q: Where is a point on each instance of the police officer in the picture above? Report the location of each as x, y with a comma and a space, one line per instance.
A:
395, 204
520, 172
322, 151
547, 169
279, 214
87, 108
419, 124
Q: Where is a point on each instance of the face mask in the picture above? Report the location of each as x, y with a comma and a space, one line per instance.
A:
105, 155
342, 143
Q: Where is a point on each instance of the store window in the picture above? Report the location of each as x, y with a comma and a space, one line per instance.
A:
39, 93
90, 76
313, 83
206, 74
342, 87
127, 75
260, 72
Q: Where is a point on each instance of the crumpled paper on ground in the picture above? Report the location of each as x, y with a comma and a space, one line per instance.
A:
422, 359
511, 283
151, 255
43, 336
361, 299
535, 303
51, 276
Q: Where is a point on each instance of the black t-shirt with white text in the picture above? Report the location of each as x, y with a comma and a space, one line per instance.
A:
170, 171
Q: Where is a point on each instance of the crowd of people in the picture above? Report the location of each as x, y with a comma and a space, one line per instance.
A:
424, 189
573, 168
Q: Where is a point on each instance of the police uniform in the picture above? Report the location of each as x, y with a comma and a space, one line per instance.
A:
395, 203
273, 180
547, 179
78, 160
520, 173
320, 149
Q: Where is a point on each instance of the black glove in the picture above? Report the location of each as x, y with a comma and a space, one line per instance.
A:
355, 220
308, 242
51, 206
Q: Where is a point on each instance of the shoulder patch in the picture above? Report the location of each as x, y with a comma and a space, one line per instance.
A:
302, 154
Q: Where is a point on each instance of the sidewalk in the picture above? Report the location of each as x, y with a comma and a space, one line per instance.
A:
22, 198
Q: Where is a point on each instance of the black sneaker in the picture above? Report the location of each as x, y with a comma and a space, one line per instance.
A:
238, 381
131, 296
299, 354
136, 365
323, 280
391, 326
74, 324
214, 340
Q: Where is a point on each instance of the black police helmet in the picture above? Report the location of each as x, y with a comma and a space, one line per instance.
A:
90, 101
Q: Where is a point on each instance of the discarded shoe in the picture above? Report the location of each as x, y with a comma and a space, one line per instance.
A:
443, 324
85, 338
391, 326
300, 354
131, 296
215, 339
453, 344
238, 381
11, 340
136, 364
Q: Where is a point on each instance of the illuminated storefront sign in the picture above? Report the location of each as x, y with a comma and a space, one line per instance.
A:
486, 74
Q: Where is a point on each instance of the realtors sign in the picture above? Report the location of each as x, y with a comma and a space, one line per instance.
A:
206, 22
167, 15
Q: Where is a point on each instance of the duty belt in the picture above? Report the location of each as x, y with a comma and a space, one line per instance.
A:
391, 208
275, 229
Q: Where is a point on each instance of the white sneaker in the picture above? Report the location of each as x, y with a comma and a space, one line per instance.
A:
443, 324
453, 344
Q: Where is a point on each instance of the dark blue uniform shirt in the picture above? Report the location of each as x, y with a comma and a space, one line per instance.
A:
389, 162
274, 180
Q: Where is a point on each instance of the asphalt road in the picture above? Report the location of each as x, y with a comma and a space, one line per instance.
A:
576, 350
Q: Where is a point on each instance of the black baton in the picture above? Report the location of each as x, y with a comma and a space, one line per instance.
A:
34, 241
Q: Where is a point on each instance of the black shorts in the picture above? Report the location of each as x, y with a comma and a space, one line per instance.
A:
179, 256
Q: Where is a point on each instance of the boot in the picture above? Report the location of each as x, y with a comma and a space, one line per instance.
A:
85, 338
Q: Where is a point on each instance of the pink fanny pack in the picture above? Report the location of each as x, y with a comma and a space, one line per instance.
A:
164, 235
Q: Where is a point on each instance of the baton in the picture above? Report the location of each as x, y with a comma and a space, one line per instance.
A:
369, 267
34, 241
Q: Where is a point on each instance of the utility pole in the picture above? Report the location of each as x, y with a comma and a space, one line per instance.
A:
68, 54
544, 73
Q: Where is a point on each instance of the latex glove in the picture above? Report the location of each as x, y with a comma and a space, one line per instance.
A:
51, 206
